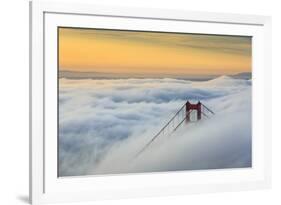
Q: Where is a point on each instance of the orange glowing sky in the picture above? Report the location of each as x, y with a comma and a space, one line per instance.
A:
109, 51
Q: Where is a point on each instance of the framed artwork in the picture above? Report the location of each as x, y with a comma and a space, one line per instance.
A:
129, 102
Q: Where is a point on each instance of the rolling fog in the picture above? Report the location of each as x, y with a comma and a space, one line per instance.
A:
104, 123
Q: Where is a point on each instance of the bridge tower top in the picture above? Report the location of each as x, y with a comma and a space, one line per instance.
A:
189, 107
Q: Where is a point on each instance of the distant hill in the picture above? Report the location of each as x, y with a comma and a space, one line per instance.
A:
101, 75
83, 75
224, 81
245, 75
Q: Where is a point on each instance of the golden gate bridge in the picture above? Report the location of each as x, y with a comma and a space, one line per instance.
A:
184, 114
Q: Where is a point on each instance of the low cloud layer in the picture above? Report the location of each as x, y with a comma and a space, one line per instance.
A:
104, 123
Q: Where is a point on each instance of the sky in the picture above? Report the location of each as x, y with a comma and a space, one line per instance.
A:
150, 53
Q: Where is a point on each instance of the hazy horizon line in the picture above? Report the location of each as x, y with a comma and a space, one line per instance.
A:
104, 75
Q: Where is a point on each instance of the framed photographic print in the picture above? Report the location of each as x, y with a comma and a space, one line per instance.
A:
130, 102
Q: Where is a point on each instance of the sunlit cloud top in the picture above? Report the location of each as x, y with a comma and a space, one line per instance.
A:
114, 51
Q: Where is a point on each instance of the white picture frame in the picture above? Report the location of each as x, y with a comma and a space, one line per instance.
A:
46, 187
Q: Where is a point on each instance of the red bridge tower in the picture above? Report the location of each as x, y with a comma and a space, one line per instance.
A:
189, 107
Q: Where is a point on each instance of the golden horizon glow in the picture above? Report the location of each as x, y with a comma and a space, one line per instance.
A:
109, 51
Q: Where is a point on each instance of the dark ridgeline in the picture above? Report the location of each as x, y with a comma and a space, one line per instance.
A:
100, 75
